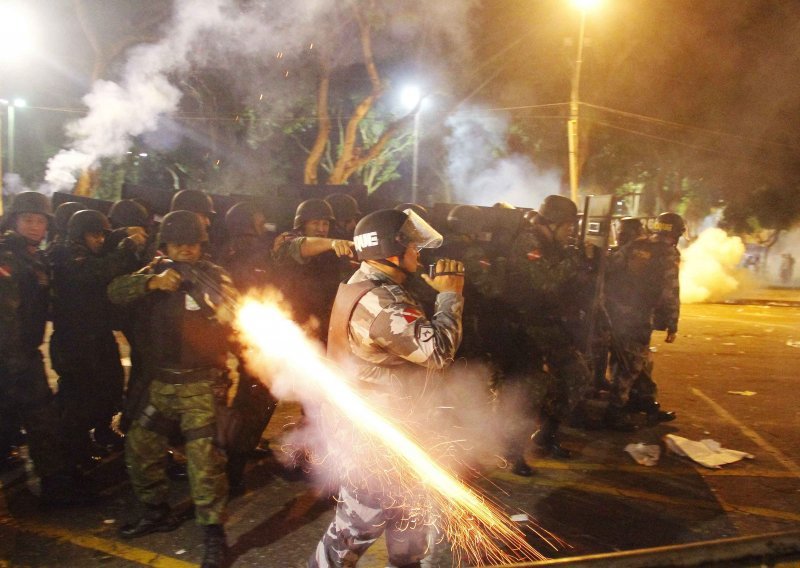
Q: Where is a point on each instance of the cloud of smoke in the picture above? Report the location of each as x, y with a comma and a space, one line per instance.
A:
13, 184
482, 171
218, 32
709, 267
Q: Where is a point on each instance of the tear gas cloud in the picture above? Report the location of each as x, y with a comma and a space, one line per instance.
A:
13, 184
709, 267
480, 168
222, 32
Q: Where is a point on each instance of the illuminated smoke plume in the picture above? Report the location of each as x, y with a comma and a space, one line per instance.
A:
709, 267
234, 35
481, 169
371, 444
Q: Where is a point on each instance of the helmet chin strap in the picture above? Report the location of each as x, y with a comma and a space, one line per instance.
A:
387, 262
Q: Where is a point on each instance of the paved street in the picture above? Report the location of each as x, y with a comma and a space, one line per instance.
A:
599, 501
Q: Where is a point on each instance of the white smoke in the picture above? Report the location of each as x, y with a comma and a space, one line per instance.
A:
482, 171
13, 184
709, 267
213, 31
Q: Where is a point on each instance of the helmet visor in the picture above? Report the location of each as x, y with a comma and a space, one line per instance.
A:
418, 233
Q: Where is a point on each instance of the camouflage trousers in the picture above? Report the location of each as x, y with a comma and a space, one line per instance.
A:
192, 407
552, 390
361, 518
631, 371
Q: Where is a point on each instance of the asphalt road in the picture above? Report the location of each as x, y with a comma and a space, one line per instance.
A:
599, 501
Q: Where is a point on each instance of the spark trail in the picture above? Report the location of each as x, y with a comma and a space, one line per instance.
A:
475, 527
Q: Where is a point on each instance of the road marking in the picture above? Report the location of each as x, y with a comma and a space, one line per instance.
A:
653, 497
579, 466
754, 436
118, 549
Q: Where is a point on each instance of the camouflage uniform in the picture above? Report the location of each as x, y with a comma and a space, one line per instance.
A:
546, 282
395, 347
642, 294
185, 351
24, 392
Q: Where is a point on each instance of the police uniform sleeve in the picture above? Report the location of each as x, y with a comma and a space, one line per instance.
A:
402, 329
288, 250
129, 287
668, 309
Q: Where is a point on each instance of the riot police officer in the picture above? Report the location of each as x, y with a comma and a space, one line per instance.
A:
24, 392
546, 280
310, 265
642, 294
346, 214
381, 330
83, 349
184, 310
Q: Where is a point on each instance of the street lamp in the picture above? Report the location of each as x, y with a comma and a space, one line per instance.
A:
411, 98
574, 102
12, 106
17, 36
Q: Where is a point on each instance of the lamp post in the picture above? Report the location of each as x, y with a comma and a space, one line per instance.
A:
412, 99
10, 122
574, 104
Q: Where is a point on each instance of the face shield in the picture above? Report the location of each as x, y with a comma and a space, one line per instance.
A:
418, 233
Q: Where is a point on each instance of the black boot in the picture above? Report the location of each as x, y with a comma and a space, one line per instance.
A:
215, 547
619, 419
157, 518
656, 416
546, 440
521, 467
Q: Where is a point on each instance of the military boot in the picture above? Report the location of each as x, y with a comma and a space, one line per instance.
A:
521, 467
655, 415
215, 547
546, 440
156, 518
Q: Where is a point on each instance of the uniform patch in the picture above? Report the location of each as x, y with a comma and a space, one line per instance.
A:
411, 314
535, 254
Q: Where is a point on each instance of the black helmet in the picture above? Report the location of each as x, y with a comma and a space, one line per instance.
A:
465, 219
415, 207
310, 210
240, 219
86, 221
192, 200
128, 213
63, 214
345, 207
669, 224
557, 209
388, 232
31, 202
182, 228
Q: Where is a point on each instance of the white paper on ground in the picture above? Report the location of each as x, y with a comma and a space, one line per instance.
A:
708, 453
644, 454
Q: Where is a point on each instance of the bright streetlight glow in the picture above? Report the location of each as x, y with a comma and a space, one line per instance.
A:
410, 96
16, 31
586, 4
19, 103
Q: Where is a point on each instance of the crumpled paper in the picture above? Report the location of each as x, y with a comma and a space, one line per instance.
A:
644, 454
708, 453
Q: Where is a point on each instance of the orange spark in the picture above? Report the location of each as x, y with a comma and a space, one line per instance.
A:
475, 527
